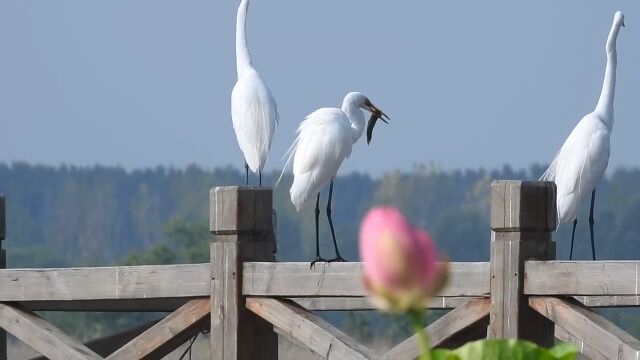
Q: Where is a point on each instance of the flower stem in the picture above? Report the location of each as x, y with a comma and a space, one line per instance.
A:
421, 336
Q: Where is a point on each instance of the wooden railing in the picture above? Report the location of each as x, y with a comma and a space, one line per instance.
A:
253, 305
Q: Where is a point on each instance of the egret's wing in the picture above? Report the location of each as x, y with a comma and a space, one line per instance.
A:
323, 140
578, 166
566, 167
254, 113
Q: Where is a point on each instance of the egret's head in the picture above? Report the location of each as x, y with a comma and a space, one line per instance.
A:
618, 18
359, 100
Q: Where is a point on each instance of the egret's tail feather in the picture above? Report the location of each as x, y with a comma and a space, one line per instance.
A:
301, 190
289, 155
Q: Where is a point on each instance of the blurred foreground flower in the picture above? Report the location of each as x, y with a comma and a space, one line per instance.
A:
400, 273
400, 270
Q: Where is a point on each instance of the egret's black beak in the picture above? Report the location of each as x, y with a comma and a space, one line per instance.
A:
623, 23
375, 115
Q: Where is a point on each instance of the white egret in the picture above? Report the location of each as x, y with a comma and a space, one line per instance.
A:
324, 139
583, 158
254, 112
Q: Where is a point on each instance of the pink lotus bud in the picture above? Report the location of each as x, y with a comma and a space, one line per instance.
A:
400, 269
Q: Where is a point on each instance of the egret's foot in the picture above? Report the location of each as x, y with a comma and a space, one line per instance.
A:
337, 259
317, 260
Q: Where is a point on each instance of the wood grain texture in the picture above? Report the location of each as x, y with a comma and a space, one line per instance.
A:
443, 329
105, 283
168, 333
584, 349
523, 215
224, 301
242, 225
510, 315
363, 303
609, 301
42, 336
345, 279
602, 335
582, 278
308, 329
240, 210
523, 206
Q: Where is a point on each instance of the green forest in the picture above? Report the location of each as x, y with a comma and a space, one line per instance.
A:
92, 216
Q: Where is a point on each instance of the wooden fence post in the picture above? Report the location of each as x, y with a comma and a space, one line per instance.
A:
523, 215
3, 265
241, 222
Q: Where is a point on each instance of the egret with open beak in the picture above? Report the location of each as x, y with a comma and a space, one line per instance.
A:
324, 139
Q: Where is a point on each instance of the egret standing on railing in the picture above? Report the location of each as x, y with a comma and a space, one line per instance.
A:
253, 109
584, 156
324, 139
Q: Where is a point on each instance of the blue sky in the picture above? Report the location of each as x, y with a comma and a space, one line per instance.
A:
466, 83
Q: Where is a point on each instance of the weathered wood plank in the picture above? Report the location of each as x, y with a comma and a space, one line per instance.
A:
442, 329
609, 301
523, 216
224, 301
587, 351
241, 222
345, 279
106, 345
168, 333
42, 336
523, 206
193, 280
291, 349
601, 334
105, 283
349, 303
582, 277
308, 329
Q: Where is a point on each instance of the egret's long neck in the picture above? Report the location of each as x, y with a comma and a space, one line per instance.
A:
243, 59
605, 103
356, 116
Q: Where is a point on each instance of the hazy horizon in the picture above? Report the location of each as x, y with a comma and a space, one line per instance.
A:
466, 84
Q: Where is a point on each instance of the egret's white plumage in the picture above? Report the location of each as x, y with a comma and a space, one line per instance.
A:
584, 156
324, 139
579, 165
253, 109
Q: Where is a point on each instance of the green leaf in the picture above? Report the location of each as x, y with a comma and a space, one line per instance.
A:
497, 349
564, 351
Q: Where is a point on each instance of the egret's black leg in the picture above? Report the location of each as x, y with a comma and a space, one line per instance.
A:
591, 221
318, 258
260, 177
246, 169
573, 234
333, 234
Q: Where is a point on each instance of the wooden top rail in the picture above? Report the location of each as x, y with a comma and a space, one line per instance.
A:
193, 280
345, 279
583, 278
105, 283
600, 283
